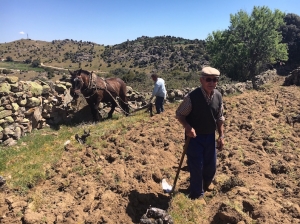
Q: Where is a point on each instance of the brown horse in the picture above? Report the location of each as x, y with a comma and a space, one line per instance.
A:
96, 90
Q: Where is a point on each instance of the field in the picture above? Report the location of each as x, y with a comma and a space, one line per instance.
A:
116, 175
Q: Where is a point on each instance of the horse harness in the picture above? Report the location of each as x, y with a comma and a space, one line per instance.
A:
94, 86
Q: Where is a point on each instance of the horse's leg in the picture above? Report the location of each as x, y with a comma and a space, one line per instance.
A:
94, 109
112, 109
97, 115
125, 107
124, 102
92, 106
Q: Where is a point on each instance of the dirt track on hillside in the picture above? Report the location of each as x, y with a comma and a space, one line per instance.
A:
257, 180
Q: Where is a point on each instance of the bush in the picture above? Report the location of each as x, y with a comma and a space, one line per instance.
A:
6, 71
28, 61
9, 59
35, 63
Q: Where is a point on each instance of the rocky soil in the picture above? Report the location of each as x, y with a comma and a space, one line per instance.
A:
257, 180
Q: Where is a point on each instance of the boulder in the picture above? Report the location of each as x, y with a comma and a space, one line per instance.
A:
4, 88
5, 113
35, 88
33, 102
12, 79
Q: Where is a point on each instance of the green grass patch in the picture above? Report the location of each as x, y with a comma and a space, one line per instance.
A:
24, 165
19, 66
184, 210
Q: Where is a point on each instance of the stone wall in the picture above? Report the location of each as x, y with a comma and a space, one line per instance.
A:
26, 105
293, 78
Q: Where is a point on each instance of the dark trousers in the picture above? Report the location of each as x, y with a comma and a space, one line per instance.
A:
159, 104
201, 159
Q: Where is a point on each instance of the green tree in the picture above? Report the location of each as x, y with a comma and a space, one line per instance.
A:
291, 36
35, 63
249, 44
9, 58
28, 61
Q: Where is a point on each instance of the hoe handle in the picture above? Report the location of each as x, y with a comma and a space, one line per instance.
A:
187, 141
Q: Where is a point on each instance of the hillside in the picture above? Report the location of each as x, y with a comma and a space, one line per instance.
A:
175, 59
144, 54
116, 176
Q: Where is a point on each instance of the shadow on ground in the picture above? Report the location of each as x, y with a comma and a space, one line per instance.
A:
140, 202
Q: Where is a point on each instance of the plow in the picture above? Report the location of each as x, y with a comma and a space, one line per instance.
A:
148, 108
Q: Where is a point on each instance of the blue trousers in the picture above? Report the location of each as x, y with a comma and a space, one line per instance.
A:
201, 160
159, 104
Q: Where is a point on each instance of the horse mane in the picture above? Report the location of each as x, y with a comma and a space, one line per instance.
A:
83, 71
97, 89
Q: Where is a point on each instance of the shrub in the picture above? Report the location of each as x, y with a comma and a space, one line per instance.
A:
35, 63
6, 71
9, 58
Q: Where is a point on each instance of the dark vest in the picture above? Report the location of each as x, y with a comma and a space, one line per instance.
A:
203, 116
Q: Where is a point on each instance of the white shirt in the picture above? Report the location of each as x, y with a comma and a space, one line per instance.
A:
159, 88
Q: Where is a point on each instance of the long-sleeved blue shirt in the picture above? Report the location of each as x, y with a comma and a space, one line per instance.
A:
159, 88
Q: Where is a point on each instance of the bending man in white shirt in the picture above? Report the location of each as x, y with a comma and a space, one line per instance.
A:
159, 92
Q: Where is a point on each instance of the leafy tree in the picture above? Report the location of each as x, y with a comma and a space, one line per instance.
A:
6, 71
9, 58
249, 44
28, 61
291, 36
35, 63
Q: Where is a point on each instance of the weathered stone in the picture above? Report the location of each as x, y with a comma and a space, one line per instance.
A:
68, 85
18, 133
12, 79
8, 130
2, 108
171, 95
22, 102
37, 117
8, 107
293, 78
29, 112
4, 101
5, 113
14, 88
46, 89
9, 119
129, 89
60, 88
18, 94
25, 120
48, 107
178, 93
4, 88
33, 102
35, 88
67, 98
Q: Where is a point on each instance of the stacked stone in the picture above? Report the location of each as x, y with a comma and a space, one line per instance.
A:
293, 78
28, 105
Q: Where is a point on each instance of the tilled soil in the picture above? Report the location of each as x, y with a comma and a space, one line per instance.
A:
257, 180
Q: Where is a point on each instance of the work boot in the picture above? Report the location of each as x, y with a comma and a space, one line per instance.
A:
208, 186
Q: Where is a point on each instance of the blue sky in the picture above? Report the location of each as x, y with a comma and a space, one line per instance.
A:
111, 22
